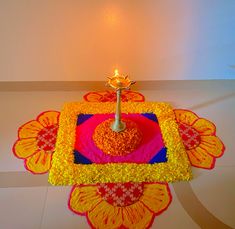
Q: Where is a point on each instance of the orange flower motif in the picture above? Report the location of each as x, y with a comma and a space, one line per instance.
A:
110, 96
199, 138
120, 205
36, 142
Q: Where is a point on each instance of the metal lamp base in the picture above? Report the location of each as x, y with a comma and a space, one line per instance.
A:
118, 126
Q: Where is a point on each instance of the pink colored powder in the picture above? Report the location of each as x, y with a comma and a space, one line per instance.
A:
151, 143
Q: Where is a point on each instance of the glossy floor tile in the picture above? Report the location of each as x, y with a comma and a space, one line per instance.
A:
56, 213
22, 208
215, 190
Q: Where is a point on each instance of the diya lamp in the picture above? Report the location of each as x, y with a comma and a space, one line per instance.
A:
119, 83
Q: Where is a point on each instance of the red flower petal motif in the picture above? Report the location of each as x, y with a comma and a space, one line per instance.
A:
120, 205
36, 142
199, 138
110, 96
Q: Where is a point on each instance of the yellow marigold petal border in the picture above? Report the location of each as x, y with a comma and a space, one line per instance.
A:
157, 197
48, 118
30, 129
39, 163
105, 216
25, 147
83, 199
137, 216
65, 172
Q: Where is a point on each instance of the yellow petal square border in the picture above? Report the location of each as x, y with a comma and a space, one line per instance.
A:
64, 172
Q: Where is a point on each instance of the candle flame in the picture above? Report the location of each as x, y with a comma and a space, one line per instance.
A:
116, 73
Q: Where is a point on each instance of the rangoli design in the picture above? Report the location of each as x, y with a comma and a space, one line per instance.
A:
139, 166
120, 205
36, 142
122, 195
111, 96
199, 138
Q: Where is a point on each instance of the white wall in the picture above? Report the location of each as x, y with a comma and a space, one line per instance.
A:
51, 40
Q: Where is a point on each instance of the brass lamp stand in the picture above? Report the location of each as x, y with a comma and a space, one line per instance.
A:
119, 83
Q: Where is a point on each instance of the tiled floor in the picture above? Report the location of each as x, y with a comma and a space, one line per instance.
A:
56, 213
215, 189
28, 202
22, 207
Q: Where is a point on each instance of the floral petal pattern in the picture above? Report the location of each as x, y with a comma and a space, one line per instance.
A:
105, 208
137, 216
83, 198
36, 142
87, 200
200, 158
204, 127
39, 163
110, 96
24, 148
199, 138
213, 145
156, 196
30, 129
93, 97
184, 116
133, 96
48, 118
105, 216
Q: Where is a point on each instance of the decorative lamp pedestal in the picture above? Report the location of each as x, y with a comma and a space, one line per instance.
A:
118, 125
119, 83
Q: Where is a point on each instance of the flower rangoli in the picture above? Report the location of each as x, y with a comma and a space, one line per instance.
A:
124, 197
